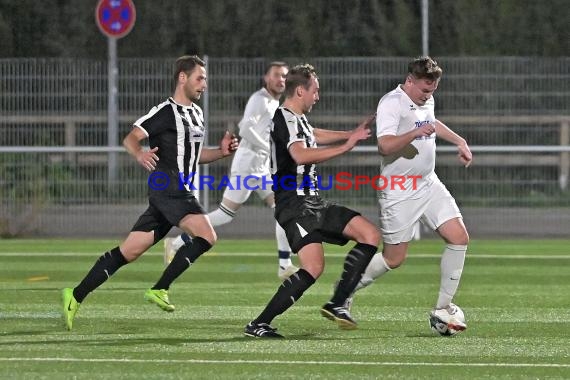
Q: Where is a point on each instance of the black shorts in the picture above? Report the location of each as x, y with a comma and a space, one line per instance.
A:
310, 219
166, 211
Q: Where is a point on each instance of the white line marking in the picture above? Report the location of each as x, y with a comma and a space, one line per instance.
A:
265, 254
288, 362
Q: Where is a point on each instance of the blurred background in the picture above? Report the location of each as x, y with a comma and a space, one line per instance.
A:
505, 88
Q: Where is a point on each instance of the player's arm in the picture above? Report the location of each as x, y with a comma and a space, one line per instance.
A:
256, 117
303, 155
464, 153
326, 137
228, 145
387, 122
132, 143
390, 144
248, 132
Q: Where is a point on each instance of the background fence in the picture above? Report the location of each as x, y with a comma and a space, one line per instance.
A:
54, 156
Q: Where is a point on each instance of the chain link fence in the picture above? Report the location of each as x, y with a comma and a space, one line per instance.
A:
54, 156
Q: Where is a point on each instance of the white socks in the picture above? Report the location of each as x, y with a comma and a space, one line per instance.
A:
221, 215
376, 268
282, 246
451, 266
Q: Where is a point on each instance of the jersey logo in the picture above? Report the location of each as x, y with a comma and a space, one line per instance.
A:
302, 230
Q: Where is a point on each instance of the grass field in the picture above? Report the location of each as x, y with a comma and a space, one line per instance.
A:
515, 295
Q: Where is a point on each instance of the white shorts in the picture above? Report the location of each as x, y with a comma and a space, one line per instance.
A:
433, 207
243, 185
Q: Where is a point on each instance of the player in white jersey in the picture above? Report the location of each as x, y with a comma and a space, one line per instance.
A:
406, 131
252, 159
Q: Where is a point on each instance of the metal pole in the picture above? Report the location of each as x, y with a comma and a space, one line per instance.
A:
112, 109
425, 27
205, 168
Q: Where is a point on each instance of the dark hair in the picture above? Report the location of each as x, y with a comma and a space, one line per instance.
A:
299, 75
186, 64
274, 64
424, 68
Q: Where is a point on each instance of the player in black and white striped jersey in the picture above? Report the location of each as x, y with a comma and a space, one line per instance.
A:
251, 160
175, 130
307, 219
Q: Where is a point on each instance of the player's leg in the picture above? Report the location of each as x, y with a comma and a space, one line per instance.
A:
367, 238
452, 260
197, 225
307, 241
397, 221
444, 217
285, 267
234, 196
172, 245
106, 265
189, 215
311, 257
140, 239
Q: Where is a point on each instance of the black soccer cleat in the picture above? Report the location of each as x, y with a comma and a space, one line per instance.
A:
261, 330
340, 315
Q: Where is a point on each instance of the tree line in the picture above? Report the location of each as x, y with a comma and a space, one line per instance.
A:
295, 28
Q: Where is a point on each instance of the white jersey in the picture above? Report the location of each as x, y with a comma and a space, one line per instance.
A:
396, 115
252, 155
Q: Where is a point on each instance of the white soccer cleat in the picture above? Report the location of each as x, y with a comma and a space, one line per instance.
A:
447, 321
285, 272
169, 250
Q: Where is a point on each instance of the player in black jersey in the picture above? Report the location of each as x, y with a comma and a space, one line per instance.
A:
307, 219
175, 130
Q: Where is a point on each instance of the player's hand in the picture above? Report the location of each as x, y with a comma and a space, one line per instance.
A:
366, 123
425, 130
148, 159
229, 144
357, 135
464, 154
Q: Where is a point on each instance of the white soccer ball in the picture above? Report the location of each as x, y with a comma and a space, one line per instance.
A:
447, 322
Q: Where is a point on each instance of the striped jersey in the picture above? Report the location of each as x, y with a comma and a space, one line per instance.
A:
178, 131
288, 128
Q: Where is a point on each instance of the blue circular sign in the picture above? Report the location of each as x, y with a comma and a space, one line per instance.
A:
115, 18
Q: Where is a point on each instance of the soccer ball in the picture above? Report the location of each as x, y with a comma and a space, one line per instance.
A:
447, 322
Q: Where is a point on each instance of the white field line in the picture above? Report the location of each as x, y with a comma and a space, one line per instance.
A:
265, 254
288, 362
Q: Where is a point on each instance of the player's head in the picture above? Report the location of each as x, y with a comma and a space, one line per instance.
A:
274, 78
422, 80
302, 86
190, 76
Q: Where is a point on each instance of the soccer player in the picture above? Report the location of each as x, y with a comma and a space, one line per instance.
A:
251, 159
175, 129
406, 131
309, 220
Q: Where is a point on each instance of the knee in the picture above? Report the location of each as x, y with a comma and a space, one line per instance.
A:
394, 263
370, 235
212, 238
460, 239
314, 270
131, 255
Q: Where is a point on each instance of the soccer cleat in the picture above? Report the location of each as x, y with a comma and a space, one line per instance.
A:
169, 250
159, 297
447, 321
285, 272
340, 315
70, 306
348, 302
261, 330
